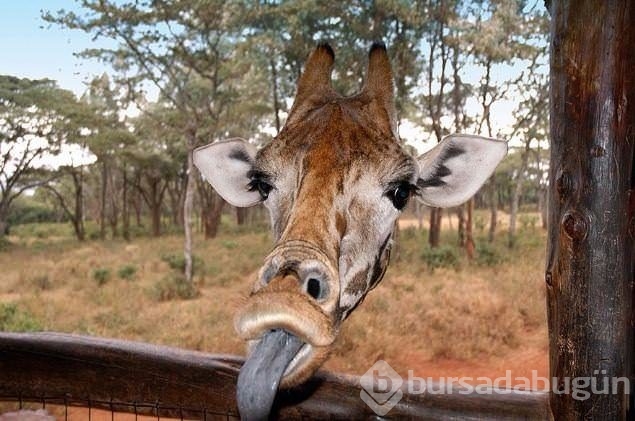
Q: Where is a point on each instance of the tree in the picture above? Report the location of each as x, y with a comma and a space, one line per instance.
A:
109, 141
31, 130
68, 189
171, 45
509, 35
151, 164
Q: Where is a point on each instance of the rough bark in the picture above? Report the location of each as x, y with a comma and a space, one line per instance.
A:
590, 262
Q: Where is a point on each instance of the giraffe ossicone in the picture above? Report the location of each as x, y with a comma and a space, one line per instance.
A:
334, 180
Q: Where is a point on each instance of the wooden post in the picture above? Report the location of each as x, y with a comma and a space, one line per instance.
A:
589, 272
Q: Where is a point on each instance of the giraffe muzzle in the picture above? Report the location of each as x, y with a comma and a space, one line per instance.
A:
292, 312
295, 292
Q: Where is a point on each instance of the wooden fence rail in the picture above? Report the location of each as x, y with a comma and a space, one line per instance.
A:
141, 378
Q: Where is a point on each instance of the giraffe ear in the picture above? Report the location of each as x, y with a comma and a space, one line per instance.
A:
454, 170
379, 87
314, 85
226, 166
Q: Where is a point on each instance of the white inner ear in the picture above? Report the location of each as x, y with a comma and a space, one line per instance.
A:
454, 170
225, 165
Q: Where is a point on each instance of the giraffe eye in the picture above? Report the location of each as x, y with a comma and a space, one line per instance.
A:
399, 194
261, 186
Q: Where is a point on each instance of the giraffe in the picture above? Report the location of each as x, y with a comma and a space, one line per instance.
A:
334, 181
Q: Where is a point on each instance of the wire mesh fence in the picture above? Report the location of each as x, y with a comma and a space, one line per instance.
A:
63, 408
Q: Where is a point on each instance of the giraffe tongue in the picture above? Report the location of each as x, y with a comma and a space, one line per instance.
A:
260, 376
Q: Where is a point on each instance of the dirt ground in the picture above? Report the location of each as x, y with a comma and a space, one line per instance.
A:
502, 305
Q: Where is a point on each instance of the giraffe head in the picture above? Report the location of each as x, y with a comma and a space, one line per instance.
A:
334, 180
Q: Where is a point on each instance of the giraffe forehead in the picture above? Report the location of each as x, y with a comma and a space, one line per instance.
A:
336, 142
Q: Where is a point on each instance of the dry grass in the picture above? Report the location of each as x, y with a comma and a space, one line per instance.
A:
471, 312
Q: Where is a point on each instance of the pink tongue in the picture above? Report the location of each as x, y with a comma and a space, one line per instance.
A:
260, 376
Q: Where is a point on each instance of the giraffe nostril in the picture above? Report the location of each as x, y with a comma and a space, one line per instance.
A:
314, 288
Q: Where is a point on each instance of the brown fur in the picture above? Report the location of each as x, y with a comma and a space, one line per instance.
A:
329, 145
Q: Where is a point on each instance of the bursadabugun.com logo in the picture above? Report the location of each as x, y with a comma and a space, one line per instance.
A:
383, 387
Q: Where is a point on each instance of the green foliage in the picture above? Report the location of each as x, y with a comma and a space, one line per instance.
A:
13, 319
177, 262
4, 244
229, 244
42, 230
444, 256
101, 275
25, 210
488, 255
127, 272
174, 286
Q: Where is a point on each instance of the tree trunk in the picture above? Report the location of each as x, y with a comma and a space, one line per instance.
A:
435, 227
155, 213
187, 207
493, 208
4, 227
517, 192
212, 215
543, 206
136, 204
102, 201
154, 203
513, 212
276, 101
78, 219
469, 237
241, 215
113, 216
125, 211
590, 261
460, 213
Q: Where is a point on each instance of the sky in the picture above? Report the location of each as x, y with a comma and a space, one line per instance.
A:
32, 48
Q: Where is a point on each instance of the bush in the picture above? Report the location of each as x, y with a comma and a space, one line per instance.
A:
14, 320
440, 257
101, 275
127, 272
4, 243
27, 210
488, 255
173, 287
177, 262
229, 244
